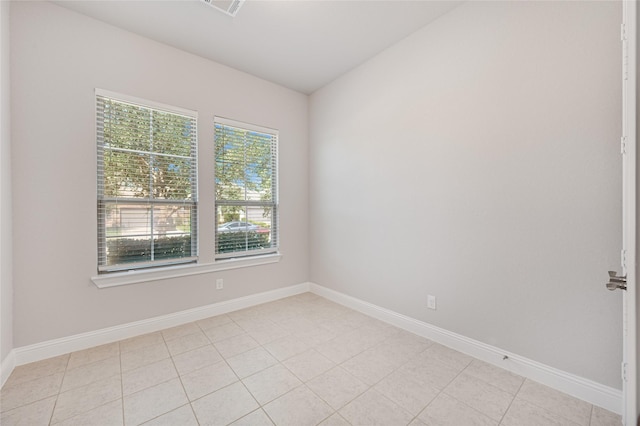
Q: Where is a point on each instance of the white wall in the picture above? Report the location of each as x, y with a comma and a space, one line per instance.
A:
478, 161
6, 279
58, 58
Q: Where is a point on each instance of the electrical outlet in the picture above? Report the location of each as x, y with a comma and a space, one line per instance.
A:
219, 284
431, 302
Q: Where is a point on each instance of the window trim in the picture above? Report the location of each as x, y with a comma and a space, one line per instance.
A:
145, 103
101, 199
135, 276
134, 273
275, 204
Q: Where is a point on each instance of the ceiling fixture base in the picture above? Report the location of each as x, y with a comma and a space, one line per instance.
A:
228, 7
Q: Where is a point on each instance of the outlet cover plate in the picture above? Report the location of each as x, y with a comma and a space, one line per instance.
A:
431, 302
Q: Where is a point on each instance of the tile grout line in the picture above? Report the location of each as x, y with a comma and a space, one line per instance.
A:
239, 381
439, 392
59, 389
302, 383
234, 372
75, 388
370, 387
442, 391
511, 403
281, 363
260, 406
316, 318
545, 410
513, 396
179, 378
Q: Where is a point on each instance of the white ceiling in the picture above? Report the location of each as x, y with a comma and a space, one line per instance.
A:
302, 45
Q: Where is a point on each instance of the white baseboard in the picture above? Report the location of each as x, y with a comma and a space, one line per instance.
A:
51, 348
6, 367
587, 390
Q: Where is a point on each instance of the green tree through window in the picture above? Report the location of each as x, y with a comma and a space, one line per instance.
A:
147, 185
246, 189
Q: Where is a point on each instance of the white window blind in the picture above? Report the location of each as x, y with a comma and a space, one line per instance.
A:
147, 183
246, 189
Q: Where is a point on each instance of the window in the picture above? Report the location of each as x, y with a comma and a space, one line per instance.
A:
246, 189
147, 183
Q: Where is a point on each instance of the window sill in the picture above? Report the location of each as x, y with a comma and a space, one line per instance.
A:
144, 275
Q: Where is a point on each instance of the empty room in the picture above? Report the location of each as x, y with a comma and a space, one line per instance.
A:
317, 213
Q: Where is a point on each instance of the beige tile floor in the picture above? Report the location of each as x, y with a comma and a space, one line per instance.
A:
298, 361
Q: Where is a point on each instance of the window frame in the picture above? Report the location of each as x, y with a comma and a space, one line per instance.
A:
104, 269
274, 204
